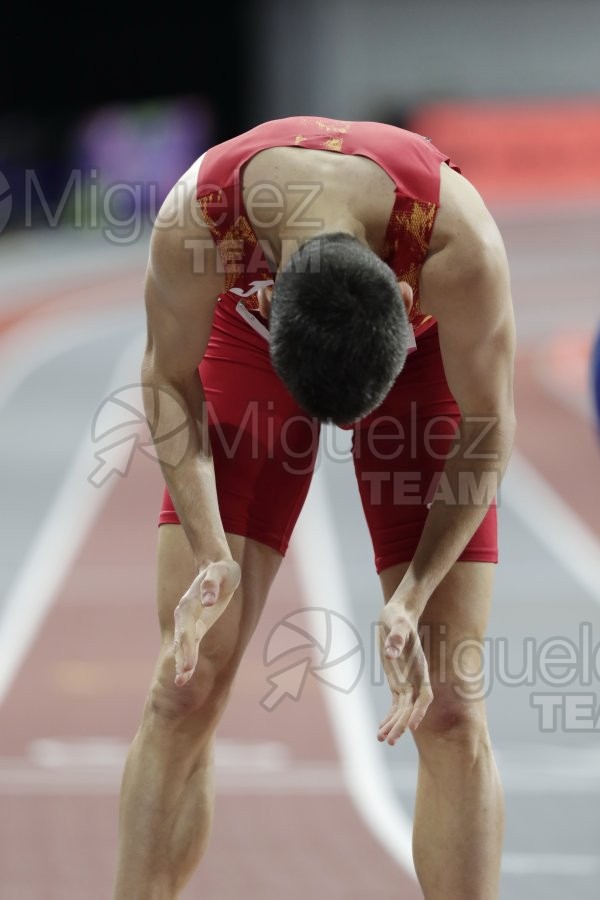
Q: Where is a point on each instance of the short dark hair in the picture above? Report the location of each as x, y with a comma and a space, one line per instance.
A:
339, 328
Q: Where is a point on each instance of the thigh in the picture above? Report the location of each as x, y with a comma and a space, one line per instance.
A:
400, 452
229, 636
453, 627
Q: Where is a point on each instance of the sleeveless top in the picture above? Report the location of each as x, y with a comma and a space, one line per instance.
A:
410, 160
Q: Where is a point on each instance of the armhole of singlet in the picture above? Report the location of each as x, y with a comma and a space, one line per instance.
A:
215, 242
200, 158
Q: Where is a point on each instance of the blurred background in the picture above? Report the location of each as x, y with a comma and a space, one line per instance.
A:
100, 113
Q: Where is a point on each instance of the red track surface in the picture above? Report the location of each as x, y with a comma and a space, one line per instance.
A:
87, 675
554, 435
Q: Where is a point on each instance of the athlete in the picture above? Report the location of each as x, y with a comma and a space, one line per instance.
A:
316, 270
595, 377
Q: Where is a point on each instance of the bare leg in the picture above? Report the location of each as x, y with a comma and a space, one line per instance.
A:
459, 815
167, 791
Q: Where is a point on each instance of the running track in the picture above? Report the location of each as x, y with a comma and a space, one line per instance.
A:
306, 797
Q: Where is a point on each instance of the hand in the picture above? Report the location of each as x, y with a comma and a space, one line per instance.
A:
202, 604
406, 669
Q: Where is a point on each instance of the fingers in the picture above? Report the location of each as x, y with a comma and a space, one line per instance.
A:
398, 727
408, 678
404, 714
198, 610
185, 644
395, 724
190, 627
421, 706
385, 722
424, 694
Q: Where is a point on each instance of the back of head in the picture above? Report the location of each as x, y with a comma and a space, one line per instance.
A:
339, 328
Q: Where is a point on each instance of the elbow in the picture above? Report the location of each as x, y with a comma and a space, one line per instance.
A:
153, 373
512, 430
506, 420
147, 367
509, 415
150, 377
182, 385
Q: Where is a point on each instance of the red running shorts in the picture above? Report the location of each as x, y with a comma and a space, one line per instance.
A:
265, 447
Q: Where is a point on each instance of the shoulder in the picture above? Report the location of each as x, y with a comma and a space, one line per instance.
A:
462, 216
181, 241
465, 281
466, 244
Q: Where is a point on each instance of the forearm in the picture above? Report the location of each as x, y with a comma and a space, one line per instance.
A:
467, 486
192, 489
186, 459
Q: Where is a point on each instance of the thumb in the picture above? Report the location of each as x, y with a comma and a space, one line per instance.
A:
209, 590
395, 642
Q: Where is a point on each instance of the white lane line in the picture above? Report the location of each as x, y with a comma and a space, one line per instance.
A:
567, 864
547, 516
95, 765
522, 780
58, 753
351, 715
58, 540
553, 523
306, 778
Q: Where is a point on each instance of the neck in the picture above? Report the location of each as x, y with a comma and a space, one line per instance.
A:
347, 225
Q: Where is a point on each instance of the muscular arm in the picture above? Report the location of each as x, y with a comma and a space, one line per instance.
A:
182, 286
466, 287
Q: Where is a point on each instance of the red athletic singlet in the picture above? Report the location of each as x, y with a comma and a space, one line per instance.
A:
411, 161
264, 446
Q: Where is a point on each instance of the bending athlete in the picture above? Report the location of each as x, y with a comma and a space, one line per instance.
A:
315, 270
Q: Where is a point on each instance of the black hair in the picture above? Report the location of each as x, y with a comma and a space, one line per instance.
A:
339, 328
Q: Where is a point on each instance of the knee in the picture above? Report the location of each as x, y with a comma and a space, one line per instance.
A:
201, 700
453, 722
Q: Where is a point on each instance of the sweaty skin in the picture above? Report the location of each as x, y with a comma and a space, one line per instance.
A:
464, 284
